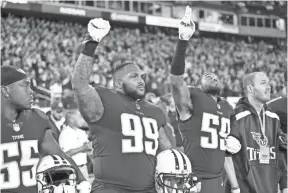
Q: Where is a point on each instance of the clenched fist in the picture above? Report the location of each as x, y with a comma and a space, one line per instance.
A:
187, 26
98, 28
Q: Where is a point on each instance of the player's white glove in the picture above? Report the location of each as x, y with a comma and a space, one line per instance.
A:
187, 26
232, 144
84, 187
98, 28
236, 190
196, 188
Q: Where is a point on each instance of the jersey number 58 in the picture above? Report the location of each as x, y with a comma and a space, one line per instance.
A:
223, 123
132, 126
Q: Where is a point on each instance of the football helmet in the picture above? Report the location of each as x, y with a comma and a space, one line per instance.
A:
174, 173
55, 175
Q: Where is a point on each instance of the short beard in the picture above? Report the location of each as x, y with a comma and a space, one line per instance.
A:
214, 91
132, 94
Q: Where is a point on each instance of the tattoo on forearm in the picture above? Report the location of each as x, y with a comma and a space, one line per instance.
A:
82, 71
90, 105
89, 102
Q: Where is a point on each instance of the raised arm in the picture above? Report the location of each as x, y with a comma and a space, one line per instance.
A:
88, 100
179, 88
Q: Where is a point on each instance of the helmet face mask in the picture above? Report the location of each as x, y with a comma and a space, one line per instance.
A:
170, 183
54, 176
174, 173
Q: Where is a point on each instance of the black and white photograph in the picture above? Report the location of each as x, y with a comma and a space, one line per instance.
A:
141, 96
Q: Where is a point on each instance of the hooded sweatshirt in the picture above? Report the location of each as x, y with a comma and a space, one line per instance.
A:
255, 175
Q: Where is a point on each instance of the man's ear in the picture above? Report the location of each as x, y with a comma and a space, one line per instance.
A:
250, 88
5, 91
118, 84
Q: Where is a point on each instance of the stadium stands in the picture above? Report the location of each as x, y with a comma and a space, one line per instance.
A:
48, 51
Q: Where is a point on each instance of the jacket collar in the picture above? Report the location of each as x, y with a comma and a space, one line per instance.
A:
244, 102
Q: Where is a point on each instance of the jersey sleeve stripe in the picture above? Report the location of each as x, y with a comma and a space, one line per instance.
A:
242, 115
272, 115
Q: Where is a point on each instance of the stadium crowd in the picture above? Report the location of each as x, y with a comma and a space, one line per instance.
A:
27, 43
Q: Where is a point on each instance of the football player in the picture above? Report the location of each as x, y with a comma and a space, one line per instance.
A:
174, 173
204, 118
126, 129
279, 106
25, 135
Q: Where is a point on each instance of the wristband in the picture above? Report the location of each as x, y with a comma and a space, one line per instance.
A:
235, 188
178, 63
89, 48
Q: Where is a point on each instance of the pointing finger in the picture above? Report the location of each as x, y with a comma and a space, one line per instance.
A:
188, 12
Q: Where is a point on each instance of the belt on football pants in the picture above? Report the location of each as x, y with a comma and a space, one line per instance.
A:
81, 165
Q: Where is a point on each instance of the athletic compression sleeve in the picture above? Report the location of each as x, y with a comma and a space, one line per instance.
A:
178, 62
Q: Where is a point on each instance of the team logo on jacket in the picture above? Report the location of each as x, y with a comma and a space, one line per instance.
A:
258, 138
16, 127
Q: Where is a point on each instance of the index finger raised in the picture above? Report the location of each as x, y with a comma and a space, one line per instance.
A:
188, 12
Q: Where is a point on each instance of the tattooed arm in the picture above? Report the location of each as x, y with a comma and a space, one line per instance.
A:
88, 100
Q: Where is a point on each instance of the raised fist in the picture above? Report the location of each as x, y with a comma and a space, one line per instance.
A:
98, 28
187, 26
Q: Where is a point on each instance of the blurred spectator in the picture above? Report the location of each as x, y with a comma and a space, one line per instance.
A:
56, 117
151, 97
74, 141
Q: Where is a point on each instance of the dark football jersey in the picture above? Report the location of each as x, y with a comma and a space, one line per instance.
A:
204, 133
174, 122
125, 141
279, 106
19, 151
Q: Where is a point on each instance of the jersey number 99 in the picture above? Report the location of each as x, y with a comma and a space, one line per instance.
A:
132, 126
13, 168
223, 123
